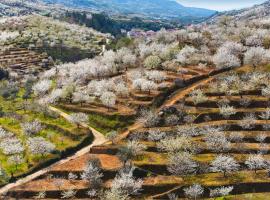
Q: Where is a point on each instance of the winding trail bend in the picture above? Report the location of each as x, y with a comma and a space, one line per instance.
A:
178, 95
99, 139
175, 97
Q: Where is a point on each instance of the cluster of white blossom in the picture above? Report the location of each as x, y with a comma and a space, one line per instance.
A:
11, 146
38, 31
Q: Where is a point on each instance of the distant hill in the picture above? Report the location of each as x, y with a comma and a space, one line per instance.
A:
158, 9
100, 21
26, 7
255, 12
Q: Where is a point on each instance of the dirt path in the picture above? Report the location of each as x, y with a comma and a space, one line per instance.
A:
180, 94
99, 140
170, 102
99, 137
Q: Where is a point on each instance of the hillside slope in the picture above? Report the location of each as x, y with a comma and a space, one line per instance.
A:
255, 12
150, 8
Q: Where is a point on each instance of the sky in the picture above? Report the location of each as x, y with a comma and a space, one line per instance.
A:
220, 5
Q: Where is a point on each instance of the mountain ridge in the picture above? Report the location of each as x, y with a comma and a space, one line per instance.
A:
168, 9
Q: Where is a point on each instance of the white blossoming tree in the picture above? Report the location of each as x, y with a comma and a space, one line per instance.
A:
224, 164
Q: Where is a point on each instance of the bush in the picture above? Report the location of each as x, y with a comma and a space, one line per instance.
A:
3, 74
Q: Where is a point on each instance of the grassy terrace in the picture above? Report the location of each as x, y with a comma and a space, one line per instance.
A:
56, 130
244, 180
106, 123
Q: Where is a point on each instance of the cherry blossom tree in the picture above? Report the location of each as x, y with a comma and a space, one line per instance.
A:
92, 193
112, 135
217, 141
248, 122
129, 60
148, 86
224, 164
194, 191
256, 56
108, 99
81, 97
72, 176
130, 150
114, 194
55, 96
68, 194
78, 119
227, 110
122, 90
172, 196
265, 115
156, 135
126, 183
261, 137
38, 145
232, 48
236, 137
152, 62
225, 60
185, 55
11, 146
42, 87
149, 118
221, 191
266, 92
92, 173
156, 76
175, 145
197, 96
255, 162
181, 164
5, 134
31, 128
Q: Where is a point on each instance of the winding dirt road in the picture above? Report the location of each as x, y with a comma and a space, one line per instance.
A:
99, 139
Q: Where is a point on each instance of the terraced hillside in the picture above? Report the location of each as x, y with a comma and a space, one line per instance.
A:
186, 113
152, 162
23, 61
60, 40
218, 140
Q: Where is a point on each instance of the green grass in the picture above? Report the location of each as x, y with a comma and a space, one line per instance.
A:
107, 124
250, 196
